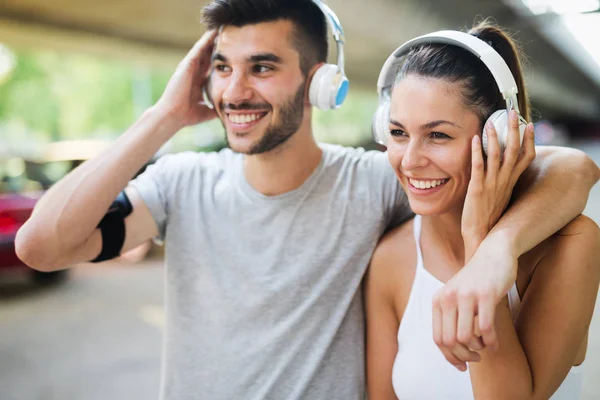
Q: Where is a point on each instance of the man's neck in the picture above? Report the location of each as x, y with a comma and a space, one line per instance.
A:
286, 167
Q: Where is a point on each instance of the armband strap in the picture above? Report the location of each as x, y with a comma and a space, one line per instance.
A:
112, 228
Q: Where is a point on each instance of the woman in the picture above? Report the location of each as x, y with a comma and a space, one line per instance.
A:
440, 101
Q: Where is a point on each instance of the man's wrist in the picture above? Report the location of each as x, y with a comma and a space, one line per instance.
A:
165, 117
165, 124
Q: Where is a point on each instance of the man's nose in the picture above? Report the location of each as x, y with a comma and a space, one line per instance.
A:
238, 89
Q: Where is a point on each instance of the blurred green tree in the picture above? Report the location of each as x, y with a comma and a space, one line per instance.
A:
52, 96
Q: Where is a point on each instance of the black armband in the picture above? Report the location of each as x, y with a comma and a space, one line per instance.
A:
112, 228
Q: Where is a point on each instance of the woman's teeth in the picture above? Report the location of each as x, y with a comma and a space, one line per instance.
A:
426, 184
243, 118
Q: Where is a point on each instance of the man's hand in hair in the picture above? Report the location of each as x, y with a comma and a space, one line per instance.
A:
182, 99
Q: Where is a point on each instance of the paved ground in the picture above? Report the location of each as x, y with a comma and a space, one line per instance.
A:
97, 337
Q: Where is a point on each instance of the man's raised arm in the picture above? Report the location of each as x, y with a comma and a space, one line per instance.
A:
63, 227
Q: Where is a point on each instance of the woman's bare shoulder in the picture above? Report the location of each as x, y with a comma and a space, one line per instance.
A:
582, 232
395, 257
397, 245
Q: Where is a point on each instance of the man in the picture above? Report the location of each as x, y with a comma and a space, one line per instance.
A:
267, 243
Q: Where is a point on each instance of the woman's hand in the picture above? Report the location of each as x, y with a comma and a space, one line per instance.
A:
492, 180
464, 309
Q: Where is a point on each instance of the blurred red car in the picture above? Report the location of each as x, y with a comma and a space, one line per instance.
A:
23, 180
15, 209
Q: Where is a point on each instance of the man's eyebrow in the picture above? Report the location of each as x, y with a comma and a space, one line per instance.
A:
270, 57
255, 58
218, 57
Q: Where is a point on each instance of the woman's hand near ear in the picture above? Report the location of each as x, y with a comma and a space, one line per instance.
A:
464, 309
492, 180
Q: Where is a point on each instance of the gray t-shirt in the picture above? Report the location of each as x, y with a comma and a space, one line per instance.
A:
263, 296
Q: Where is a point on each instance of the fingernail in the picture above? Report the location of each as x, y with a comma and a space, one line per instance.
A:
513, 115
530, 127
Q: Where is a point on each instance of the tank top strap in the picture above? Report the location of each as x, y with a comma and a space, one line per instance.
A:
514, 301
417, 234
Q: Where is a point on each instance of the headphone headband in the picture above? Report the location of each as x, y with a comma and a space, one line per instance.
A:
333, 20
337, 31
492, 60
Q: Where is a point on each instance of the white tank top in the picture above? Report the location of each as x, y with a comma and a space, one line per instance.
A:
420, 370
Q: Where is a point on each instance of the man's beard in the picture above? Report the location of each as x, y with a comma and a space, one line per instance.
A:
291, 114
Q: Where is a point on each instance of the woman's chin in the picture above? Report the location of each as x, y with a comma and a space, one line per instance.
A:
425, 208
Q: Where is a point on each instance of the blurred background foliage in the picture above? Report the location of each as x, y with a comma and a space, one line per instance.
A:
47, 96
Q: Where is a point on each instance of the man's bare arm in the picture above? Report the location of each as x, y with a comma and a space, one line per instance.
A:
550, 193
63, 227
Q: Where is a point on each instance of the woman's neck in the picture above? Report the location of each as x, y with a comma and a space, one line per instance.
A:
443, 232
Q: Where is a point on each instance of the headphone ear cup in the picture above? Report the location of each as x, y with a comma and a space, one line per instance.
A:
381, 121
206, 97
499, 120
328, 87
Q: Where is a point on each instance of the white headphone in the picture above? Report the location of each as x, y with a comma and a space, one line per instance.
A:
492, 60
329, 85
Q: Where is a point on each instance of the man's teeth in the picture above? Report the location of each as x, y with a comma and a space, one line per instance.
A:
243, 118
426, 184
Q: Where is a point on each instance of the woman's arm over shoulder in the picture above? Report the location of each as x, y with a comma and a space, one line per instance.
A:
384, 283
551, 192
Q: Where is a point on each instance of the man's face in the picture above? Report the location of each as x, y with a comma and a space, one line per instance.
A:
257, 85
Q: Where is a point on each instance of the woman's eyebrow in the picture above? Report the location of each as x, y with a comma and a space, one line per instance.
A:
429, 125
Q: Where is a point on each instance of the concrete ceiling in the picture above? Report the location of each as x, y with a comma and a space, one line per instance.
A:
161, 31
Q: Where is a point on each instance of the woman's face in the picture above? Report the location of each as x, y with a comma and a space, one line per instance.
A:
430, 143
